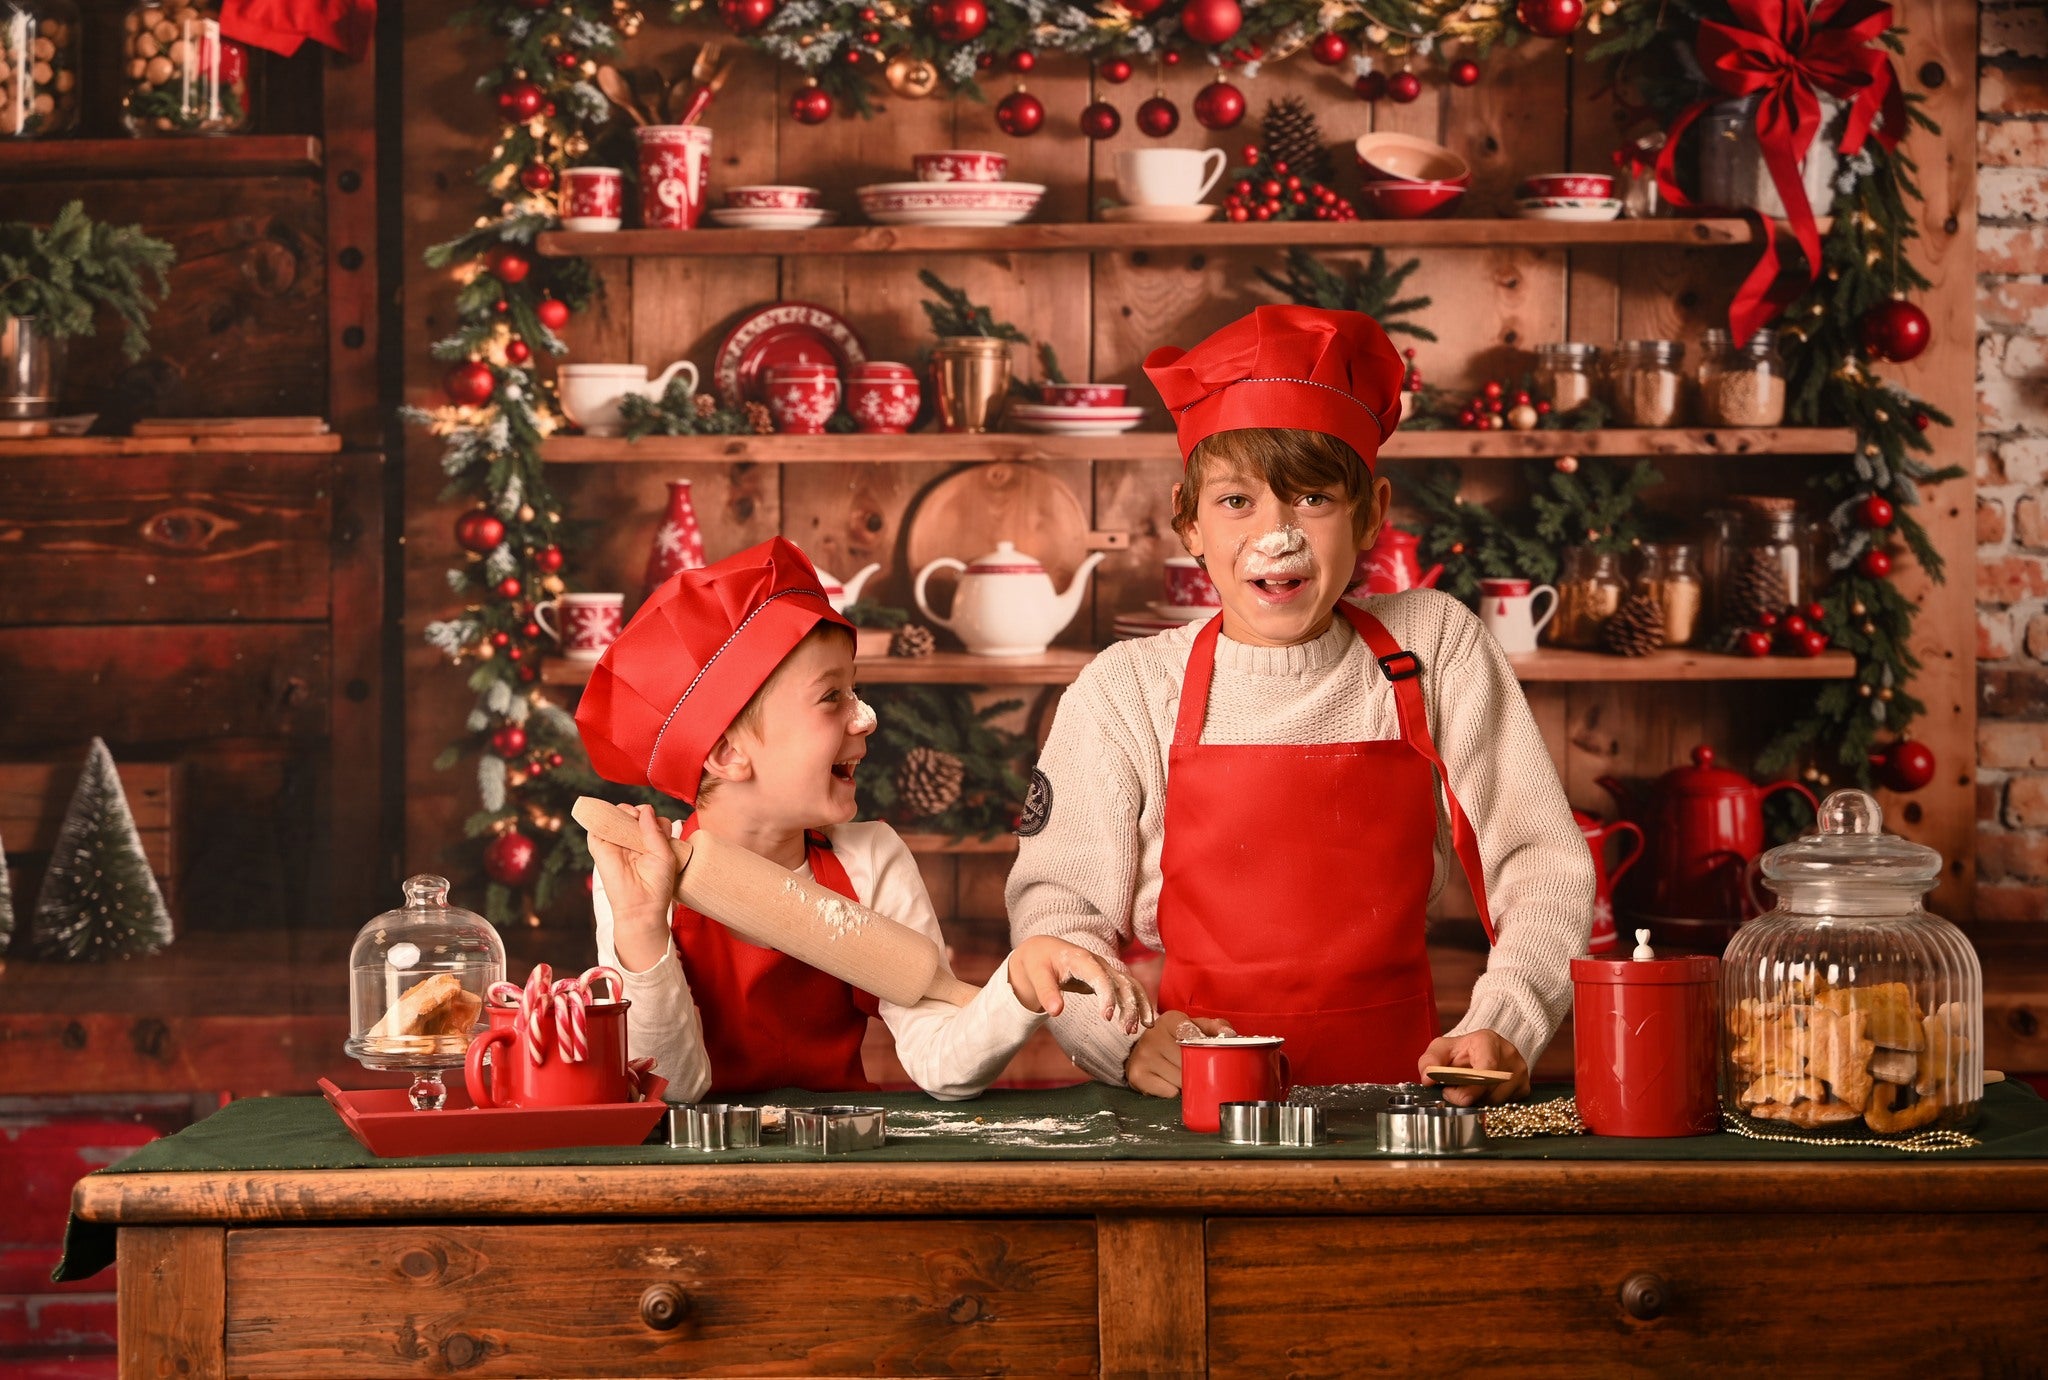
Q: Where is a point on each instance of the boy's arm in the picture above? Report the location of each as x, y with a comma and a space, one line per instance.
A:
663, 1023
1539, 871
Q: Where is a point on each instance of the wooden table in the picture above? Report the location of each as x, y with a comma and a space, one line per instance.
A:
1234, 1268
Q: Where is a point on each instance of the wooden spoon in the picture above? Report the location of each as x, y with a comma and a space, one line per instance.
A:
618, 89
650, 86
1453, 1077
704, 94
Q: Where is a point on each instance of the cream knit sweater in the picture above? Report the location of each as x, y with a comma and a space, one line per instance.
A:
1091, 876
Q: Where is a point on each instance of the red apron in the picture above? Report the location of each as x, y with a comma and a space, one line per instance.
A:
772, 1021
1295, 876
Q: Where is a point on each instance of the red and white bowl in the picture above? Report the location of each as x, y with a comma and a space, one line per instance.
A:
882, 404
950, 203
1583, 210
1598, 186
803, 397
1406, 158
772, 197
960, 165
1411, 200
1082, 394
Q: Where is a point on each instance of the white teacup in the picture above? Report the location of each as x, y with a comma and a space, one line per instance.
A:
1168, 177
585, 624
1508, 607
591, 392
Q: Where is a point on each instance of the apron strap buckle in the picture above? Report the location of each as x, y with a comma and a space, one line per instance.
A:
1401, 665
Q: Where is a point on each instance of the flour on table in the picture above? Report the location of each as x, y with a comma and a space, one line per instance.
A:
1036, 1132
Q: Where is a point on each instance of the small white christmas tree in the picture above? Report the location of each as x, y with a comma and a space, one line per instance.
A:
99, 900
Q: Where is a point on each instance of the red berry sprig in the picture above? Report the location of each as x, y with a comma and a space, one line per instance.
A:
1260, 190
1796, 631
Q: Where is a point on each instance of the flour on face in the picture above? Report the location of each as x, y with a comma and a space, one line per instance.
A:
864, 717
1280, 554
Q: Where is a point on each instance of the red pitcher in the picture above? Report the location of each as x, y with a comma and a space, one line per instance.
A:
1390, 565
1598, 833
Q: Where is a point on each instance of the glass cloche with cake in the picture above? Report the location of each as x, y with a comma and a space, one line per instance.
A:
418, 976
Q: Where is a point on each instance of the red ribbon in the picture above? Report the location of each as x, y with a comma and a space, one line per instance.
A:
1786, 57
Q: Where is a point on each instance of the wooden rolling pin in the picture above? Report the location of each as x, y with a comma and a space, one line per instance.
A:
774, 907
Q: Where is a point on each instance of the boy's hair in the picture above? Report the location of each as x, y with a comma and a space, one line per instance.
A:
1290, 461
749, 717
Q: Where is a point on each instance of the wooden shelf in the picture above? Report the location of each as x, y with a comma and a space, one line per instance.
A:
244, 155
927, 447
1101, 237
209, 444
1056, 667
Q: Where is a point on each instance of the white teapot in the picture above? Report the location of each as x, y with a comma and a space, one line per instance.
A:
838, 595
1005, 604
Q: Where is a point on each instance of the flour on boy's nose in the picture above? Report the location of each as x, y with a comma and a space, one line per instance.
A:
864, 717
1280, 552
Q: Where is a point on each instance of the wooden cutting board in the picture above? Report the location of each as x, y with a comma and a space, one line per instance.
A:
964, 515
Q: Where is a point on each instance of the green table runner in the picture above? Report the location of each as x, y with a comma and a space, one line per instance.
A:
1090, 1122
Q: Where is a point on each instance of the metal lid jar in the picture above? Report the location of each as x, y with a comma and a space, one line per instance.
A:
418, 977
1849, 1008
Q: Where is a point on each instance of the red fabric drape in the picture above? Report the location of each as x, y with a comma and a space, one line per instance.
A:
281, 26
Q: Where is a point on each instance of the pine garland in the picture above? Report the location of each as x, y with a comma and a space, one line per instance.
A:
1596, 504
1371, 287
943, 718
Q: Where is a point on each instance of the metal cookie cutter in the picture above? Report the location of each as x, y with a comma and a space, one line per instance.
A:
1270, 1123
714, 1126
1300, 1125
1411, 1126
837, 1130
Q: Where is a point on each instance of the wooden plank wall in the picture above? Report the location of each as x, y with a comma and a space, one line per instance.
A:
1532, 112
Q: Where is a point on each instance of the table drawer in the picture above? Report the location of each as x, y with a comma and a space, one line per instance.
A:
1575, 1296
765, 1298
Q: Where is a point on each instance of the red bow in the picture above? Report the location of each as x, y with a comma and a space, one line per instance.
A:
1786, 57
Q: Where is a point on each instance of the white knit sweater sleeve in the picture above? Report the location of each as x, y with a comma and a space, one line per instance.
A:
662, 1023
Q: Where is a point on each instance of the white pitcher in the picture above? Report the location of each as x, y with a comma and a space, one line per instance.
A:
591, 392
1508, 609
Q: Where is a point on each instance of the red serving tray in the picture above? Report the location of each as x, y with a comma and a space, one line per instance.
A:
384, 1120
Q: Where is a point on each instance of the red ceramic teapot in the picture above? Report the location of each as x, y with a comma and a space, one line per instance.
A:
1390, 565
1598, 833
1703, 825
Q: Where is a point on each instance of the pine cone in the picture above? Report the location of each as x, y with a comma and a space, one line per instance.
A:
929, 781
705, 404
1289, 134
760, 418
1636, 629
912, 639
1756, 586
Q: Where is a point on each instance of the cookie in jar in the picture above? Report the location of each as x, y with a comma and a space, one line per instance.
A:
38, 68
181, 76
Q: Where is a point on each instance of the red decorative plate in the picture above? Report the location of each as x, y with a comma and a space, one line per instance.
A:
383, 1119
782, 333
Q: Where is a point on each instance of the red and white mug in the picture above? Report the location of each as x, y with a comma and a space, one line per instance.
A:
1229, 1068
1508, 609
883, 397
674, 161
1188, 585
588, 624
1599, 186
802, 397
1083, 394
593, 198
960, 165
515, 1079
771, 197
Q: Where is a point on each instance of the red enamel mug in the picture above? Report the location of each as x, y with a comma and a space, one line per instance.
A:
516, 1080
1229, 1068
1646, 1045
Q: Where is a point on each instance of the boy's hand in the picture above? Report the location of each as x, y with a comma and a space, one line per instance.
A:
1153, 1067
1041, 965
640, 885
1478, 1049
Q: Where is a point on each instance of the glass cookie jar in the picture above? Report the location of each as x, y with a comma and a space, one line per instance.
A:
1849, 1008
181, 76
38, 68
417, 981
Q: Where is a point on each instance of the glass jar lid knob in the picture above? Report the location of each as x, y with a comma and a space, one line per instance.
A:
425, 890
1850, 812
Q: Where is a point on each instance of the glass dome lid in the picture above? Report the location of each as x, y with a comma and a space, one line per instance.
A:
1850, 848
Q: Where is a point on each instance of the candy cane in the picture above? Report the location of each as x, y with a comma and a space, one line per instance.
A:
602, 973
572, 1030
509, 993
533, 1011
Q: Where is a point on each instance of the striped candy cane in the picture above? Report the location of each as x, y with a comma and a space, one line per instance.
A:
604, 974
533, 1011
572, 1026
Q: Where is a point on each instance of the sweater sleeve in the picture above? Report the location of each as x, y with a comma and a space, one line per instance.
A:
1076, 876
1539, 872
663, 1023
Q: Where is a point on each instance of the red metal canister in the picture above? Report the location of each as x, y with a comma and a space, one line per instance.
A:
1646, 1039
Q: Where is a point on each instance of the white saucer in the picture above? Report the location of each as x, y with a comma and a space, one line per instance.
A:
772, 217
1053, 412
1183, 613
1058, 426
1160, 215
1586, 211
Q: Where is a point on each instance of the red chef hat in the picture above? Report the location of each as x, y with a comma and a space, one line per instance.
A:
692, 657
1284, 366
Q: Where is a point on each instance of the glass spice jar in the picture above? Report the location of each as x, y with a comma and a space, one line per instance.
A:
1770, 567
1748, 389
1671, 576
183, 77
1589, 591
38, 68
1563, 373
1641, 197
1710, 357
1645, 385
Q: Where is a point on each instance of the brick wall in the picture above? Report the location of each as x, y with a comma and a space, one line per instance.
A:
2012, 460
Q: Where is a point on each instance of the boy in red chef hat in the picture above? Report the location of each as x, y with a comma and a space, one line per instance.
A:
732, 689
1272, 796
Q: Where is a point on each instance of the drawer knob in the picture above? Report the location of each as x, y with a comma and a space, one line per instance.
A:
663, 1307
1643, 1296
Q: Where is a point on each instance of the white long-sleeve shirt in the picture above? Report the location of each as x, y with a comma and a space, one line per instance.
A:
1091, 875
952, 1052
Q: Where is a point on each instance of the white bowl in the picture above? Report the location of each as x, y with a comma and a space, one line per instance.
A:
1580, 210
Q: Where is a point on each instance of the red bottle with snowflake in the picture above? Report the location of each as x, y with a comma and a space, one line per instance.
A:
678, 542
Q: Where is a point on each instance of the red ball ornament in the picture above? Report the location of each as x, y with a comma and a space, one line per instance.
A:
536, 177
1812, 642
1211, 22
1550, 18
1876, 563
470, 384
1159, 117
1896, 330
1793, 625
1170, 57
1816, 613
1906, 765
1755, 643
512, 859
520, 100
479, 530
509, 265
549, 559
745, 16
1101, 120
1330, 49
1219, 105
1117, 71
1464, 72
1020, 114
510, 587
811, 105
552, 313
1921, 421
517, 352
1370, 86
958, 21
568, 61
1022, 61
1403, 87
509, 741
1875, 512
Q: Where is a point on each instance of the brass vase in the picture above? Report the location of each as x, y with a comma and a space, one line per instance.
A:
970, 380
29, 362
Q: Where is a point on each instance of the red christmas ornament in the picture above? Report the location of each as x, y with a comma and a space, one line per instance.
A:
549, 559
552, 313
1550, 18
1895, 330
1876, 512
1330, 49
1370, 86
1793, 625
1117, 71
1022, 61
1876, 563
510, 587
512, 859
536, 177
479, 530
1403, 87
509, 265
745, 16
568, 61
811, 105
1159, 117
1921, 421
1464, 72
1906, 765
1170, 58
1755, 643
520, 100
958, 21
1143, 9
509, 741
501, 638
516, 352
1219, 105
1100, 120
1812, 642
470, 384
1816, 612
1211, 22
1020, 114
